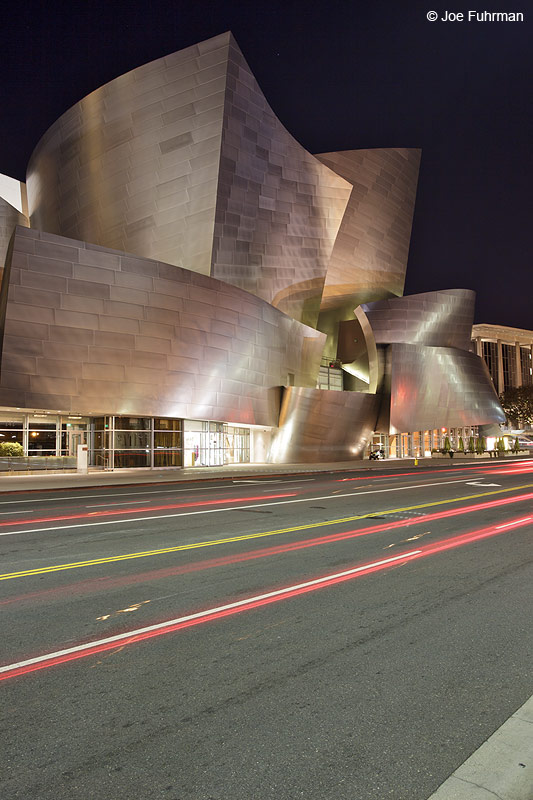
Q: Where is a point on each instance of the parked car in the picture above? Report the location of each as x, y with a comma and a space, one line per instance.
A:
377, 455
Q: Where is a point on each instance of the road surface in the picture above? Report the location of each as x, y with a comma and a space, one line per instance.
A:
347, 636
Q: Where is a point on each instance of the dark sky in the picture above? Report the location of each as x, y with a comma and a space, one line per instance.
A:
339, 75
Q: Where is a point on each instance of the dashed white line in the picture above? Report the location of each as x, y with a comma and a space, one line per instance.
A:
515, 522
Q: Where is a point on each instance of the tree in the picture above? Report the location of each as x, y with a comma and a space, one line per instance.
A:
517, 403
471, 445
447, 446
516, 446
11, 449
461, 446
480, 445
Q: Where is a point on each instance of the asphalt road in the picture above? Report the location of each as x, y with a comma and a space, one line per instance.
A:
323, 636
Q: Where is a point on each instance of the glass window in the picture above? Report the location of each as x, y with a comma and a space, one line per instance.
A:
132, 458
167, 424
42, 440
330, 378
41, 425
508, 363
526, 364
490, 356
167, 439
10, 424
101, 458
125, 439
101, 423
11, 436
133, 423
237, 445
168, 458
102, 439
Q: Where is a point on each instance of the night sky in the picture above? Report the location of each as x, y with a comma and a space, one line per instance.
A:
339, 75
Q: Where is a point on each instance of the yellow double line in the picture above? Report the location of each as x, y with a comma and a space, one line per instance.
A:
214, 542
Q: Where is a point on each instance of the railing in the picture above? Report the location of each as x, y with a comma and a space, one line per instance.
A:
30, 463
101, 462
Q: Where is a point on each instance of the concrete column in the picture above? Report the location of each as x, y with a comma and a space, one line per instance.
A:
499, 387
518, 365
479, 346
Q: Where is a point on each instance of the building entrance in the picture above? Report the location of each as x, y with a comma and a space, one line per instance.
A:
74, 438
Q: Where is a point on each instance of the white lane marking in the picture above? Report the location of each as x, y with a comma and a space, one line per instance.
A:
299, 480
515, 522
250, 481
114, 494
480, 483
122, 503
501, 767
199, 614
219, 510
154, 491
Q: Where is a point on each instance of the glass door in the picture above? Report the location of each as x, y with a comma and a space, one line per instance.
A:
75, 437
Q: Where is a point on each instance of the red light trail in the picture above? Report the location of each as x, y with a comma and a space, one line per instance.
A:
88, 586
209, 615
138, 509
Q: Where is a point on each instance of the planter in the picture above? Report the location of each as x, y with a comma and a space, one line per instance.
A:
460, 456
30, 463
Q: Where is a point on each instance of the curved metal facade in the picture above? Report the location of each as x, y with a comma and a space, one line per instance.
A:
321, 425
134, 165
9, 219
113, 333
433, 386
253, 259
440, 319
184, 161
369, 258
279, 208
430, 377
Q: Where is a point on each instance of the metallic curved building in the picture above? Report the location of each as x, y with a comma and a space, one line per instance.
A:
183, 160
195, 287
13, 211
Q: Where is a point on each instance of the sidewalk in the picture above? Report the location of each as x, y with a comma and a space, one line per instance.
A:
37, 480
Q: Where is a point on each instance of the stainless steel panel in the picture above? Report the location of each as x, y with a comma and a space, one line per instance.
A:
123, 168
320, 425
278, 208
189, 165
135, 358
440, 319
9, 219
434, 386
369, 257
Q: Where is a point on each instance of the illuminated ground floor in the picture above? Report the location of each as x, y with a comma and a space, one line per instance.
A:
420, 444
118, 442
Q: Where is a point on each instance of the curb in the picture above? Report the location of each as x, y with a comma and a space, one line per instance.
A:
502, 767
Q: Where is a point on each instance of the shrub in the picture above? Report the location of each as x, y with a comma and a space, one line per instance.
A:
447, 446
516, 446
461, 446
11, 449
471, 445
480, 445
